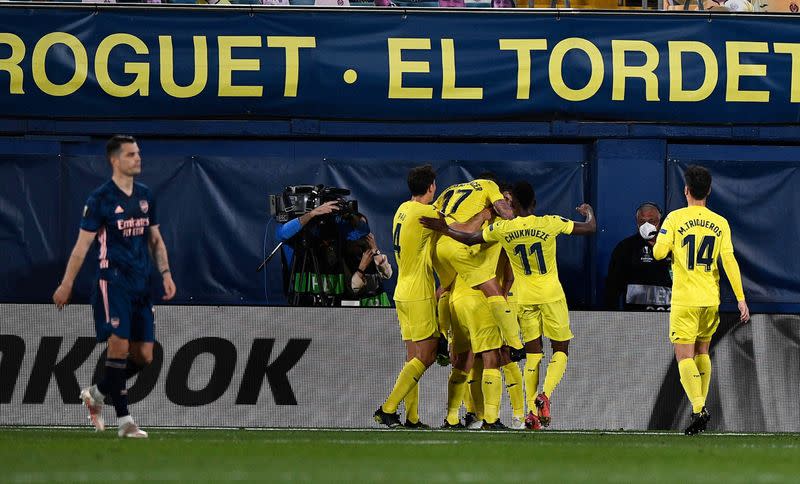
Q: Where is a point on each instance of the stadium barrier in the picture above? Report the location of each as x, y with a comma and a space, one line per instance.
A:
290, 367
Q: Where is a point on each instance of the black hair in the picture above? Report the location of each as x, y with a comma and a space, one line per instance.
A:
698, 180
504, 187
524, 195
487, 175
420, 179
652, 205
115, 144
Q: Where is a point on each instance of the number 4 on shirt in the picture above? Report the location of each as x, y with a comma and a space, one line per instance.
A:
396, 238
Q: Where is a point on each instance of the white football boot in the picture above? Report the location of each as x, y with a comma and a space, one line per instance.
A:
517, 423
93, 400
129, 429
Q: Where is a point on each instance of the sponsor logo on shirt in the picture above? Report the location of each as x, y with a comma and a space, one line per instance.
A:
133, 226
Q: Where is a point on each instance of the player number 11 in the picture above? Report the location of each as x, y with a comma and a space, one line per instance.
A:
523, 255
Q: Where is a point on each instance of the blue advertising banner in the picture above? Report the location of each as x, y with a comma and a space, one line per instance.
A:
212, 198
397, 65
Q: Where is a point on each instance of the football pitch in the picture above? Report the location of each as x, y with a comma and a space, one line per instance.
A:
45, 455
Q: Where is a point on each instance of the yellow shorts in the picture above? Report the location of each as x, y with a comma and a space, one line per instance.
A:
459, 334
475, 264
417, 319
477, 329
688, 324
551, 318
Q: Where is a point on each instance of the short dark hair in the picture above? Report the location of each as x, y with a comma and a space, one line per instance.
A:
698, 180
420, 179
115, 143
487, 175
504, 187
524, 195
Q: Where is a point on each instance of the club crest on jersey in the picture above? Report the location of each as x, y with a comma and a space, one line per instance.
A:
114, 322
144, 206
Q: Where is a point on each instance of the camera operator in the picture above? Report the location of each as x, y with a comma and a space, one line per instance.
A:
368, 267
317, 279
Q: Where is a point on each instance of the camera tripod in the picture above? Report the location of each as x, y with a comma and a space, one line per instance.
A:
309, 286
307, 282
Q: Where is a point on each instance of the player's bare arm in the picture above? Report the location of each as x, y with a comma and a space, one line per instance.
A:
475, 222
589, 225
744, 311
440, 225
64, 291
503, 209
158, 250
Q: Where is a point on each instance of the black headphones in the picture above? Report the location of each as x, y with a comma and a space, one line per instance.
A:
653, 205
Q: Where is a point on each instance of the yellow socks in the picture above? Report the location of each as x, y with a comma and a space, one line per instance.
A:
443, 310
532, 361
492, 385
411, 402
703, 362
513, 378
475, 387
406, 381
468, 405
690, 379
456, 385
555, 371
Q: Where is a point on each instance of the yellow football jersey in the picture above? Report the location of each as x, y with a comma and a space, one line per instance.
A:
530, 243
412, 251
461, 290
697, 237
461, 202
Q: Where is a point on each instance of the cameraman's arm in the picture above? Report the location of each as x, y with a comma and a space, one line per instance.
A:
292, 227
323, 209
379, 258
384, 268
357, 281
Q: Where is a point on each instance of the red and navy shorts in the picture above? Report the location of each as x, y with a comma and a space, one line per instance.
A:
122, 312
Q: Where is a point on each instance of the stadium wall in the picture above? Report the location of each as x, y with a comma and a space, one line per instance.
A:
213, 198
287, 367
213, 157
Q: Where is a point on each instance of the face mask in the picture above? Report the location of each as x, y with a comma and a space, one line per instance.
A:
647, 231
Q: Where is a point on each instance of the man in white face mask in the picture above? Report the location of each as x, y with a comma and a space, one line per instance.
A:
636, 281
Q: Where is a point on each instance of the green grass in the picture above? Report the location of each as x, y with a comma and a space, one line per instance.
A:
39, 455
